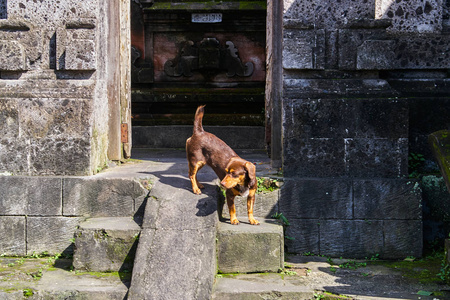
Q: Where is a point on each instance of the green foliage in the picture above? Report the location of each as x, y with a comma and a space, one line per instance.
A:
415, 163
266, 185
28, 293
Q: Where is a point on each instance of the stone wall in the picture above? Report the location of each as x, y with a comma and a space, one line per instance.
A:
56, 83
41, 214
356, 76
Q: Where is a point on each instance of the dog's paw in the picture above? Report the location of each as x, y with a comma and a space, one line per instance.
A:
234, 222
253, 221
197, 191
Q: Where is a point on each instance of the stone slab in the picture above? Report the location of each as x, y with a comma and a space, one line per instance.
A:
101, 197
176, 257
402, 238
316, 199
237, 137
246, 248
351, 238
106, 244
32, 196
14, 229
302, 236
385, 199
53, 235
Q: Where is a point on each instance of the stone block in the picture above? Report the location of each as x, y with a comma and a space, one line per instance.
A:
402, 238
302, 235
376, 157
100, 197
326, 13
53, 117
51, 234
60, 156
106, 244
266, 205
248, 249
80, 55
351, 238
9, 119
14, 156
31, 196
387, 199
12, 56
316, 199
368, 118
315, 157
416, 16
375, 55
14, 229
304, 49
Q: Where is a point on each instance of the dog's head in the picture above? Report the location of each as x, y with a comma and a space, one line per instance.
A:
239, 172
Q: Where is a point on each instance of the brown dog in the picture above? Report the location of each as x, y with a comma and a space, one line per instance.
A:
237, 175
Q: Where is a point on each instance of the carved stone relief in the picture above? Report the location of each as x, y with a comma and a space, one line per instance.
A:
207, 56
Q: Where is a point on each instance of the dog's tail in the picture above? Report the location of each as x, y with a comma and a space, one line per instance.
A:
198, 127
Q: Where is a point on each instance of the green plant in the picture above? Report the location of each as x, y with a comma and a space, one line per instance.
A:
28, 293
266, 185
352, 265
415, 162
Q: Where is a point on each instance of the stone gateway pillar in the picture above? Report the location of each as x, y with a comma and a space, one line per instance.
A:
63, 82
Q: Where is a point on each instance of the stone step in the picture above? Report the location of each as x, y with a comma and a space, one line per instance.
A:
237, 137
261, 286
106, 244
246, 248
44, 278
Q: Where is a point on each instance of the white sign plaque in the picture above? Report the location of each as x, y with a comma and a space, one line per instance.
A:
207, 18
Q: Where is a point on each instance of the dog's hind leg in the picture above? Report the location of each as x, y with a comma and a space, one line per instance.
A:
193, 169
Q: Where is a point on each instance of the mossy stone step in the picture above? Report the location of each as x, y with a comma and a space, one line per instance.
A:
106, 244
246, 248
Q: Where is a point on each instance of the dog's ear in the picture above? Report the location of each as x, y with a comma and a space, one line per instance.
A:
251, 173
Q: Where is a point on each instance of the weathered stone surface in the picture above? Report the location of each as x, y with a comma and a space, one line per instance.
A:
411, 16
14, 229
32, 196
266, 204
402, 238
9, 118
248, 249
376, 157
97, 197
375, 55
40, 118
51, 234
80, 55
176, 257
327, 13
302, 235
351, 238
106, 244
315, 157
304, 49
316, 199
368, 118
12, 56
45, 161
387, 199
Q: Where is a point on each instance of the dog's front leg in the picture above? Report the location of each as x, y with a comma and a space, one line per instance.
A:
232, 207
250, 204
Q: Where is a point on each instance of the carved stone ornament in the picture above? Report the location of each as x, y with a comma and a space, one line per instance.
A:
207, 56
